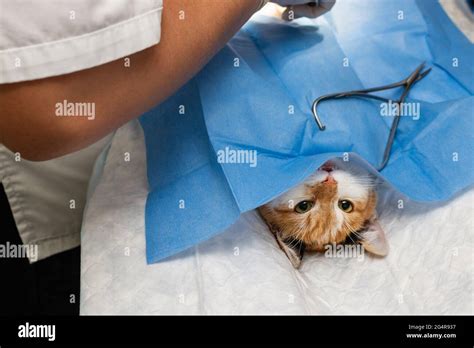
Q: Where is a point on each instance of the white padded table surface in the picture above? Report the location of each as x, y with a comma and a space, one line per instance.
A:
429, 269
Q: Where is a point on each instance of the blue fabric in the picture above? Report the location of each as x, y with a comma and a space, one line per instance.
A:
287, 65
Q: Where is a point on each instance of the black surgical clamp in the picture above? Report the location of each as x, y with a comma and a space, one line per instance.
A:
407, 83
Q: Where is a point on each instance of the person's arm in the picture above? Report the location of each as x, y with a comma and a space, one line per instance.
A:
28, 123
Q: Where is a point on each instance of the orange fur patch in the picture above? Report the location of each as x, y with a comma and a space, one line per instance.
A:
317, 227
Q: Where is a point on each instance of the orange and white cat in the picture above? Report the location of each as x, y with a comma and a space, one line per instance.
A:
336, 204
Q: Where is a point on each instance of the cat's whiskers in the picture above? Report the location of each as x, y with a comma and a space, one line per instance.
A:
300, 232
366, 184
351, 230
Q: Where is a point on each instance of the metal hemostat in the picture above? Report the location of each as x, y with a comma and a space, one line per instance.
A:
407, 83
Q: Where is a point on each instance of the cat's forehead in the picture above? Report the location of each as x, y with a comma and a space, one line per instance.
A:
352, 186
349, 186
294, 195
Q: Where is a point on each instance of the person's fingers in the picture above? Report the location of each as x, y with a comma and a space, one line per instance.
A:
308, 10
286, 3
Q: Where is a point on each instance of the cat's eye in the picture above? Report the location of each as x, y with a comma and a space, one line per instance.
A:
345, 205
303, 207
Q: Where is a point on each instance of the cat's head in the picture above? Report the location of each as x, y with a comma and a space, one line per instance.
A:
334, 205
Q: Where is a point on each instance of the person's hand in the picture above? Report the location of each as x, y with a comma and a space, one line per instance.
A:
304, 8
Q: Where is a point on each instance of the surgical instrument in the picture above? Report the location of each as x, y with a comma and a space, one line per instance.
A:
407, 83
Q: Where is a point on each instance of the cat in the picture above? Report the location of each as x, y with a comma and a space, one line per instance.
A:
336, 204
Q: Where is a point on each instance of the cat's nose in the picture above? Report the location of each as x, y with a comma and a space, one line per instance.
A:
328, 167
330, 180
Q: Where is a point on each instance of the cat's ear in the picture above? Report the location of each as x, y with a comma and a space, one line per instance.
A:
373, 238
293, 249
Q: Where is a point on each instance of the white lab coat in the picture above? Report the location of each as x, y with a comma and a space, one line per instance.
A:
40, 39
